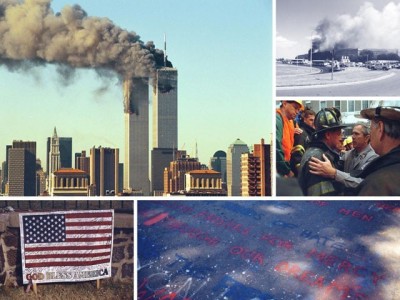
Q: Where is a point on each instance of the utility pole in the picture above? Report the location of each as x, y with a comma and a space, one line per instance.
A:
333, 52
311, 52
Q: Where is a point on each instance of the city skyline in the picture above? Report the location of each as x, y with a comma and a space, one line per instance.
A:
224, 77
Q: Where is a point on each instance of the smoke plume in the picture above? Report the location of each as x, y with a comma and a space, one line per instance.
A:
31, 34
368, 28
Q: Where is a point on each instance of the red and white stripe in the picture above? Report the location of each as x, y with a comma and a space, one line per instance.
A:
88, 242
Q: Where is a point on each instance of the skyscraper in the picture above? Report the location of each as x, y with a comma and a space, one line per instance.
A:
165, 125
104, 170
136, 112
82, 162
66, 152
22, 169
54, 154
160, 159
218, 163
233, 158
4, 183
165, 109
65, 149
256, 171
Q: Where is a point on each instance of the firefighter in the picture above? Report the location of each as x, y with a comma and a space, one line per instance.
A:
302, 140
382, 175
285, 131
354, 161
325, 141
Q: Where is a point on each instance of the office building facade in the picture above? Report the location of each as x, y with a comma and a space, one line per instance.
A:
165, 125
22, 169
256, 171
233, 165
136, 113
218, 163
4, 180
160, 159
64, 148
174, 175
104, 171
82, 162
165, 109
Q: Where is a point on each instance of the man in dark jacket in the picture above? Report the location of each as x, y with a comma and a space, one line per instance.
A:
354, 161
328, 134
382, 175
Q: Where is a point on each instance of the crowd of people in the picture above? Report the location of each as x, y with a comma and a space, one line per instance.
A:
314, 158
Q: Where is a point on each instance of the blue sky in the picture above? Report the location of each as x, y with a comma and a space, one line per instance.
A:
222, 50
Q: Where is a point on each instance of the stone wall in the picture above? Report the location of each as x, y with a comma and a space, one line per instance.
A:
23, 205
10, 252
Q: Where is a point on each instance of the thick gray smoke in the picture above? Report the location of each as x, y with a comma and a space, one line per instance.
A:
368, 28
31, 35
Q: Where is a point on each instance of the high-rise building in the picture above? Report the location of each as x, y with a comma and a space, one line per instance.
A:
4, 181
165, 125
54, 154
64, 148
165, 109
256, 171
104, 171
136, 112
66, 152
82, 162
218, 163
160, 159
121, 177
233, 158
40, 182
174, 175
22, 169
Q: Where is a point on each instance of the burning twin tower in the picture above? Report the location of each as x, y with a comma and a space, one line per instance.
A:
32, 35
165, 127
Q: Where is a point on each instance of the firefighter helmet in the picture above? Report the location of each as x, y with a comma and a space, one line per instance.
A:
326, 119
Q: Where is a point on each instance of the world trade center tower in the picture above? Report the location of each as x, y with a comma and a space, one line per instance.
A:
165, 126
165, 109
164, 134
136, 113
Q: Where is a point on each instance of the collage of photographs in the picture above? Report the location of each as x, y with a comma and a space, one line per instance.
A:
194, 150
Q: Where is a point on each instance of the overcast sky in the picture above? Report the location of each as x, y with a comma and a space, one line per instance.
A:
371, 24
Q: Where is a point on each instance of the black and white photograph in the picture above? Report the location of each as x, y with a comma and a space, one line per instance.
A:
337, 48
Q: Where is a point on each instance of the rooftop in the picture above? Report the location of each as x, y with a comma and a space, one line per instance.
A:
65, 171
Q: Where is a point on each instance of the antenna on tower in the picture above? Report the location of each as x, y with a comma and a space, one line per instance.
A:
197, 154
165, 50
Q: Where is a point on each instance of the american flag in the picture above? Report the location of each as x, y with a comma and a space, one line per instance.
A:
66, 239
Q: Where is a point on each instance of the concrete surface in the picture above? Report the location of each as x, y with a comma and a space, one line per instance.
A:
290, 76
287, 250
